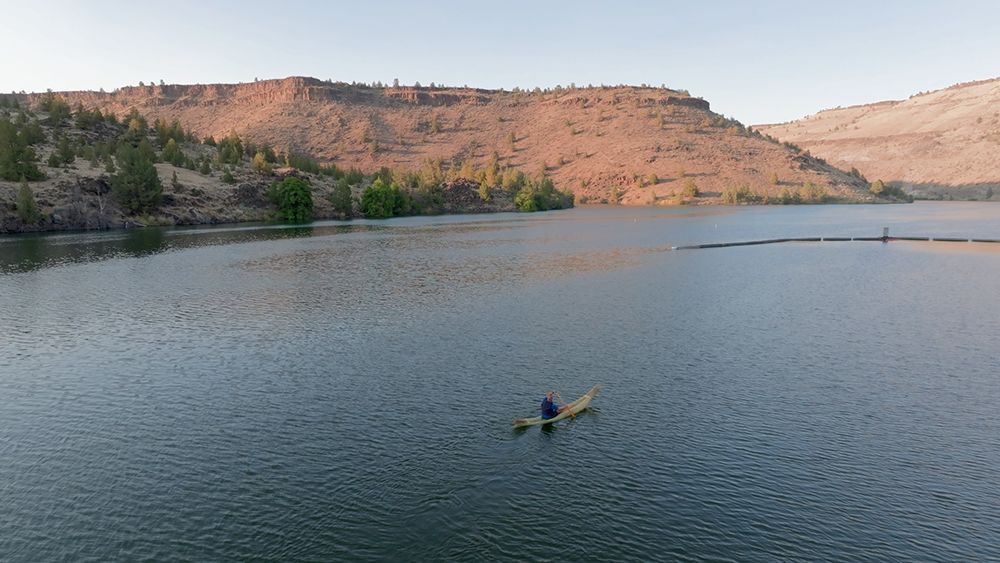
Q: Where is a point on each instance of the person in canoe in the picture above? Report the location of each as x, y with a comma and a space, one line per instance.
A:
549, 409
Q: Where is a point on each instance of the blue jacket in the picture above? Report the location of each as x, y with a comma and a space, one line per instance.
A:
549, 410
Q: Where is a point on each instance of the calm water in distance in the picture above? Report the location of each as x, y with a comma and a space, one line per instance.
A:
345, 391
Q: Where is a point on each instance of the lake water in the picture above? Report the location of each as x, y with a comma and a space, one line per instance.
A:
345, 391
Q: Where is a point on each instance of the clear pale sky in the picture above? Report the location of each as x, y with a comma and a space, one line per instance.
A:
760, 62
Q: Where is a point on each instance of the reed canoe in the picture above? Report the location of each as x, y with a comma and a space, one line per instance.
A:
576, 406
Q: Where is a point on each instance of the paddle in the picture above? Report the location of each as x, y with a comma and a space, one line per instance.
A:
563, 401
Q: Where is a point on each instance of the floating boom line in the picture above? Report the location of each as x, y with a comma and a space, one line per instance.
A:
884, 238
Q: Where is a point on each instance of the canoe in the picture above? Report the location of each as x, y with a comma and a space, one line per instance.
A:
576, 406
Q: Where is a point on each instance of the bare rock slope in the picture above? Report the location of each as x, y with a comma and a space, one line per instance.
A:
941, 143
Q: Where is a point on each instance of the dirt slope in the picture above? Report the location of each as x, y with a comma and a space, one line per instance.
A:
589, 139
941, 143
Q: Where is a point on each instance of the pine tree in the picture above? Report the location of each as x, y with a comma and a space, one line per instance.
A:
137, 185
27, 209
66, 153
147, 152
206, 167
17, 159
172, 153
260, 165
341, 199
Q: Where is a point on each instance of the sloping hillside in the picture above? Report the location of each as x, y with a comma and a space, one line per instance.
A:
941, 143
645, 143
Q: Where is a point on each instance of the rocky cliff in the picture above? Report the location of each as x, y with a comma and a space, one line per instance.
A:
944, 143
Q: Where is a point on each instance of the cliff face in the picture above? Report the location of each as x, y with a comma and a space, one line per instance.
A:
645, 143
941, 143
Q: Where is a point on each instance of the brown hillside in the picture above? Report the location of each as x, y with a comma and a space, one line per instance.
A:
942, 143
605, 137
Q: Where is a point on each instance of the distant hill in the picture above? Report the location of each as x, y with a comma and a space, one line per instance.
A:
944, 143
644, 143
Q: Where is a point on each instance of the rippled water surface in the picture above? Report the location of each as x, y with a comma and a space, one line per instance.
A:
345, 391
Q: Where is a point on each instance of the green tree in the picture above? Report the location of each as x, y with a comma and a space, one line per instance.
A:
484, 191
785, 196
512, 180
172, 153
773, 179
525, 200
66, 153
17, 158
27, 209
147, 151
341, 199
435, 125
690, 189
260, 165
878, 186
227, 176
814, 192
174, 182
136, 186
354, 176
86, 119
739, 194
231, 149
294, 199
614, 198
381, 201
510, 141
56, 107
